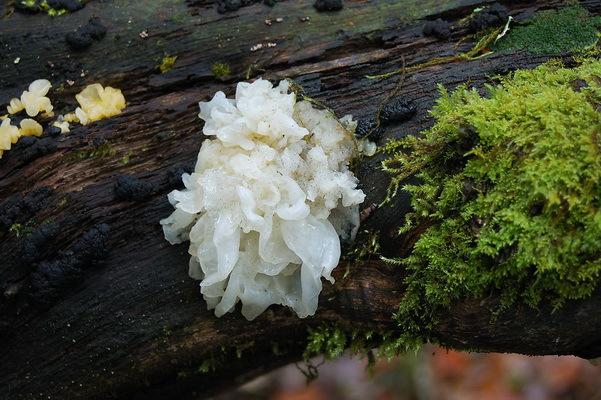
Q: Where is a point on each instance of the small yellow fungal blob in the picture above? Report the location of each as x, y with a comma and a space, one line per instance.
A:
9, 135
71, 117
62, 124
30, 127
167, 64
34, 100
8, 132
97, 102
15, 106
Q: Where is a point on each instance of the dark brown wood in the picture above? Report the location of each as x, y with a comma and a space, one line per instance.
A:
134, 325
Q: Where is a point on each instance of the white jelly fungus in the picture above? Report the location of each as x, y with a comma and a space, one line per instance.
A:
268, 201
367, 147
97, 102
33, 100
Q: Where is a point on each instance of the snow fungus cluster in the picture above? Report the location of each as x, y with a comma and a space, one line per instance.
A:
269, 199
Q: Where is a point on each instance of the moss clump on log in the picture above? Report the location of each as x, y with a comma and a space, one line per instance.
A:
330, 341
167, 64
553, 32
509, 190
221, 70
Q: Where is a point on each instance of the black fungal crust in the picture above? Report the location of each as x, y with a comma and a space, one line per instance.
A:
32, 246
18, 208
50, 278
38, 148
69, 5
438, 28
128, 187
15, 119
174, 175
23, 7
65, 69
91, 246
53, 131
224, 6
493, 15
25, 142
395, 111
83, 37
78, 40
229, 5
95, 28
398, 110
328, 5
368, 126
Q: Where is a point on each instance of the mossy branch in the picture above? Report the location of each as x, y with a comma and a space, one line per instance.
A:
514, 183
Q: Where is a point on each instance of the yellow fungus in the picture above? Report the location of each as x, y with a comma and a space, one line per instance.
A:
9, 135
30, 127
97, 102
167, 64
70, 117
62, 124
33, 100
15, 106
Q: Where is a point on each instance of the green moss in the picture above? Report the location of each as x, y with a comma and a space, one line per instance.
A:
207, 366
63, 202
104, 150
242, 347
53, 12
167, 63
480, 49
275, 349
20, 231
43, 6
510, 193
329, 341
30, 4
127, 158
221, 70
553, 32
365, 247
216, 359
213, 361
569, 29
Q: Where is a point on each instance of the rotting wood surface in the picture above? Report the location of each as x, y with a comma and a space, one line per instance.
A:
134, 325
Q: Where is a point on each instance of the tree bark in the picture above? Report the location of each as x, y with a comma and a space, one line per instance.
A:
96, 304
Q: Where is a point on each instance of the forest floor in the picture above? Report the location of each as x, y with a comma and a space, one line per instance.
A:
433, 374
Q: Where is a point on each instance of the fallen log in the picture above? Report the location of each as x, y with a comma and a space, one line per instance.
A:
118, 317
